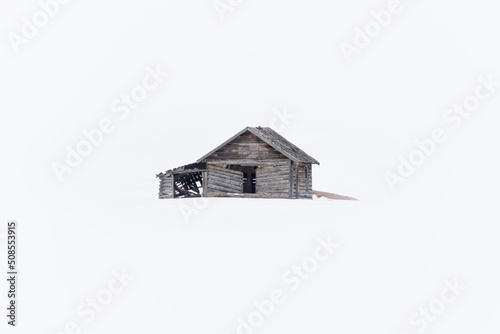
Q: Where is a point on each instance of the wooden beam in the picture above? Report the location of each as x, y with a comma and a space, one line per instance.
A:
297, 181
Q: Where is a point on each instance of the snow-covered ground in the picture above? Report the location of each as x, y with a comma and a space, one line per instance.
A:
198, 266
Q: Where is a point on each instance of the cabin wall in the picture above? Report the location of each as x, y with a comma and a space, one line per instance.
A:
301, 181
166, 186
223, 180
247, 146
274, 179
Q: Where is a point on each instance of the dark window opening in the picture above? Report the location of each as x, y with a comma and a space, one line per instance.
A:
249, 177
188, 185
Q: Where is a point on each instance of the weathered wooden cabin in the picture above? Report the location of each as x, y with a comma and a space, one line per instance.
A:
256, 162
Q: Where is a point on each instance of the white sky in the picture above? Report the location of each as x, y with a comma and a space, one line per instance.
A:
354, 118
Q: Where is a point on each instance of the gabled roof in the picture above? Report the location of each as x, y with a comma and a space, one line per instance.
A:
273, 139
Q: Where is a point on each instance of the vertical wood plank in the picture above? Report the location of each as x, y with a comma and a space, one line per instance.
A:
297, 180
173, 183
205, 182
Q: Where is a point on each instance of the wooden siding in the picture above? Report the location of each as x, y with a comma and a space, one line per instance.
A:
166, 186
305, 182
279, 178
301, 181
274, 179
246, 146
224, 180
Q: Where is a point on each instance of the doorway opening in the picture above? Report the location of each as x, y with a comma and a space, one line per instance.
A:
249, 177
